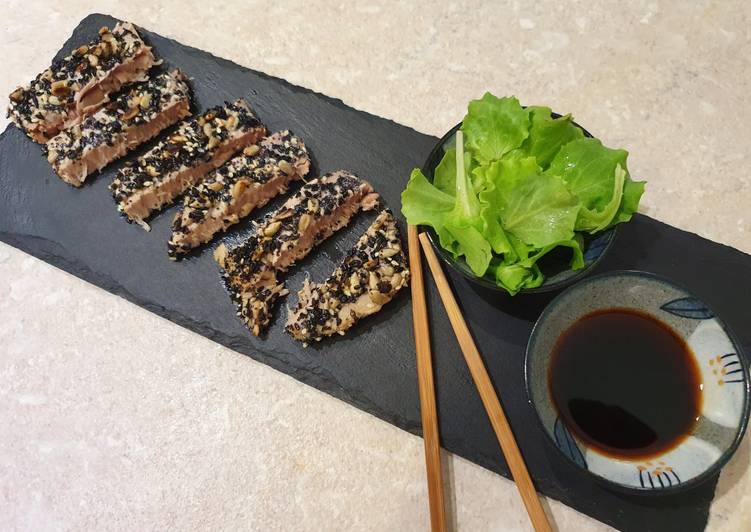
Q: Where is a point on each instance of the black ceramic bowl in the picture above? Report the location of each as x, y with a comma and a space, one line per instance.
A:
555, 265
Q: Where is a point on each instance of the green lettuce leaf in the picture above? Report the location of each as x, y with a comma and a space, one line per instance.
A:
478, 178
444, 177
577, 253
632, 192
467, 206
465, 222
455, 218
588, 169
495, 126
499, 178
540, 211
592, 221
519, 270
515, 277
424, 204
529, 256
516, 184
472, 244
493, 231
547, 135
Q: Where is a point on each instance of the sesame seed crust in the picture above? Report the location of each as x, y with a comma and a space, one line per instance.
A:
232, 191
79, 84
315, 212
197, 146
130, 119
370, 275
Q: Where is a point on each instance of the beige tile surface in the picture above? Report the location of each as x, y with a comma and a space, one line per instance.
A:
116, 419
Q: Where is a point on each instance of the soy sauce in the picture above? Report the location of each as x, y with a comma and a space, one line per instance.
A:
625, 383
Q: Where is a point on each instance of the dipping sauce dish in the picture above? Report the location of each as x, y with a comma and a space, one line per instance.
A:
661, 419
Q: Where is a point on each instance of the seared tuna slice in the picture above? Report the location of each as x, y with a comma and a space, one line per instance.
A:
196, 147
314, 213
369, 277
79, 84
233, 190
132, 118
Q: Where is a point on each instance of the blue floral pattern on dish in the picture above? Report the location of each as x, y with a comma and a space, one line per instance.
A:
688, 307
567, 444
597, 246
728, 369
655, 477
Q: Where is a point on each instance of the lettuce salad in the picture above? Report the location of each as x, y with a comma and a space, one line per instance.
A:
515, 184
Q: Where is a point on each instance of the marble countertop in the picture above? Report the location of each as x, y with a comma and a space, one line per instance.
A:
115, 418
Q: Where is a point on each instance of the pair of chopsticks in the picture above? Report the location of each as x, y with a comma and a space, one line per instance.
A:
493, 407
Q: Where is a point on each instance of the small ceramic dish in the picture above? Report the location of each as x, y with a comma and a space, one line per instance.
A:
555, 265
723, 371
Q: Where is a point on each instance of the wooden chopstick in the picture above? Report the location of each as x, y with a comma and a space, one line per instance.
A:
428, 410
493, 407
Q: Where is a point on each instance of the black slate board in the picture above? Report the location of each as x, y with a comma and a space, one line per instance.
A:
374, 367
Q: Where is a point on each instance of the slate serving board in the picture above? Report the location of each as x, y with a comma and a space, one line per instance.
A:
373, 367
